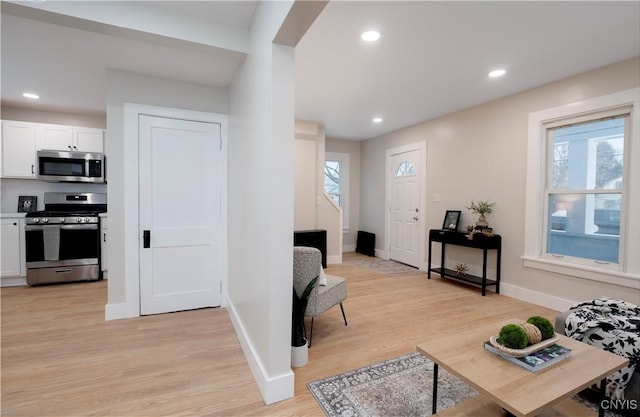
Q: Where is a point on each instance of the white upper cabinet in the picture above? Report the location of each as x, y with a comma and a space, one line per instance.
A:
68, 138
56, 137
21, 140
87, 139
18, 149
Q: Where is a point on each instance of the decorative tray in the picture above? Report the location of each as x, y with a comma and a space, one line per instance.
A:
519, 353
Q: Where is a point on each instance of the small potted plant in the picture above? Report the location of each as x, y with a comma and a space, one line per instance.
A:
481, 208
299, 349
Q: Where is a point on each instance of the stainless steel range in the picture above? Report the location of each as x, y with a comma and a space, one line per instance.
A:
63, 241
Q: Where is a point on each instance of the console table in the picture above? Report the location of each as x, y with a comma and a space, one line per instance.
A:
480, 241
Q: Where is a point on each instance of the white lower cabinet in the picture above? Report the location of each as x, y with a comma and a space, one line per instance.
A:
12, 249
103, 243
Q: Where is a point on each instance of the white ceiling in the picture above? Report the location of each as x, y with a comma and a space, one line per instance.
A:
432, 58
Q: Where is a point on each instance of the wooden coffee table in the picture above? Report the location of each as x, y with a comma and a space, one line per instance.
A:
504, 385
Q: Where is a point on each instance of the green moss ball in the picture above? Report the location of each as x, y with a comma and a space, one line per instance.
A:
513, 336
544, 325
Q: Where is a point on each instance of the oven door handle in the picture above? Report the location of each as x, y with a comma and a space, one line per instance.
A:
31, 228
79, 227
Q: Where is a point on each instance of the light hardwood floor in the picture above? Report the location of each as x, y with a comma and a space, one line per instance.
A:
60, 358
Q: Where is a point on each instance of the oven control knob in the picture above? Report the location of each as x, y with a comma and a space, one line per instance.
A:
79, 220
36, 220
46, 220
62, 219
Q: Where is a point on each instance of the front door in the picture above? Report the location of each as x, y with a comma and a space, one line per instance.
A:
179, 194
405, 204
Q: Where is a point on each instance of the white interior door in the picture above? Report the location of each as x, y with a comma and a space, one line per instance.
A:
180, 218
405, 198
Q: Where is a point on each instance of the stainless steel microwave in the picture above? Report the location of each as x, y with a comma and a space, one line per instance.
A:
63, 166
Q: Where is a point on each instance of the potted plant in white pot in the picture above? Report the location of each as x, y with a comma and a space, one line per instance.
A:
481, 208
299, 348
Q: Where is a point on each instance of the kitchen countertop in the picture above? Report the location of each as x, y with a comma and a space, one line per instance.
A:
12, 215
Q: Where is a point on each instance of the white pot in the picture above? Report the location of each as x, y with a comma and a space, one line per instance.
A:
300, 355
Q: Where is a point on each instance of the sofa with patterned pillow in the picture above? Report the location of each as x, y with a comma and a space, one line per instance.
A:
613, 325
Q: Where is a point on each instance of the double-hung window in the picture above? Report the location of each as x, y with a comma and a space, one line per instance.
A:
582, 189
585, 187
336, 182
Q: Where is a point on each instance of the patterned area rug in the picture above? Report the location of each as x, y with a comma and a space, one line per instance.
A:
383, 266
398, 387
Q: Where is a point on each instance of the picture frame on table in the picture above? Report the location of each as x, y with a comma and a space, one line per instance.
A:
451, 220
27, 203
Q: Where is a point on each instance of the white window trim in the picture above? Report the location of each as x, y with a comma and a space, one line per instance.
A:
343, 159
534, 220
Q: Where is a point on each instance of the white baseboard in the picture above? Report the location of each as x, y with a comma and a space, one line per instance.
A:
349, 248
273, 389
115, 311
535, 297
13, 281
334, 259
380, 253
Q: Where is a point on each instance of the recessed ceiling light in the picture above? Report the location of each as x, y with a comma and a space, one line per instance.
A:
31, 96
377, 120
497, 73
370, 36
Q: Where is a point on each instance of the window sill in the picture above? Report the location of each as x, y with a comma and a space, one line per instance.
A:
594, 274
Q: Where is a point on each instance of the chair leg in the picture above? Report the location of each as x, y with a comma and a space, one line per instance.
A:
311, 329
343, 316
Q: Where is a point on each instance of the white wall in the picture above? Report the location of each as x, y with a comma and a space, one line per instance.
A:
328, 214
261, 135
99, 121
480, 153
352, 148
329, 218
122, 188
313, 209
305, 174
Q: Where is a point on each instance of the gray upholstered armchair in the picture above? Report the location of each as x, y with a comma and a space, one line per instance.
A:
328, 292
